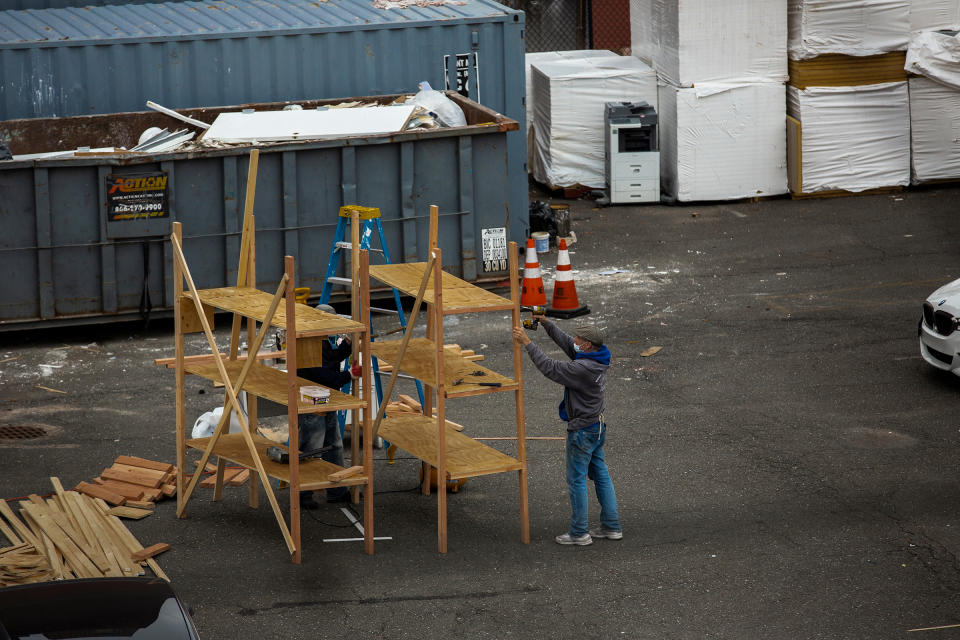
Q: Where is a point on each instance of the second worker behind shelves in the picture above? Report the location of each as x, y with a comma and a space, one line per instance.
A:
322, 429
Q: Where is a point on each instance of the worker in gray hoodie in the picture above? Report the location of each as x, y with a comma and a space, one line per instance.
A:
584, 380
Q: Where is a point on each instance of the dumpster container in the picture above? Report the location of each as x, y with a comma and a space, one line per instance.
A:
65, 259
111, 59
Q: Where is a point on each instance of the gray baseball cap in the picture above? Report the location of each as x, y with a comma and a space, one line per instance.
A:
591, 332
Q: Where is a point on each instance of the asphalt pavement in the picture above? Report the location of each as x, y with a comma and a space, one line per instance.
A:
786, 463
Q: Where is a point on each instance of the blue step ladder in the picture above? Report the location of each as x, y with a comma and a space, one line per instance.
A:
370, 221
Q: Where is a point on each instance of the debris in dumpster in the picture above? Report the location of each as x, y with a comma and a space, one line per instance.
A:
446, 111
66, 536
5, 152
178, 116
162, 140
279, 126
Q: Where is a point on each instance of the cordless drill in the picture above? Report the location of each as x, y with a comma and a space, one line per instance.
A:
533, 324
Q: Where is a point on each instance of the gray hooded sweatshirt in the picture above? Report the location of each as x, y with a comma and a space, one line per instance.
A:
584, 378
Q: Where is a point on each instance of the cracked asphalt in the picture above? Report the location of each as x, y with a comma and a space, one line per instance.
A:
786, 464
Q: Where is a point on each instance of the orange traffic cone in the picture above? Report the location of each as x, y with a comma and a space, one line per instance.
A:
533, 294
565, 303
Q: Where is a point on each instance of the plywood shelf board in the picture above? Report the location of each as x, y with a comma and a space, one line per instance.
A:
419, 360
253, 303
271, 384
459, 296
314, 472
417, 434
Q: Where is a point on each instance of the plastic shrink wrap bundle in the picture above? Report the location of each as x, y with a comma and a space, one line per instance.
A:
934, 130
852, 138
691, 41
934, 14
723, 141
550, 56
569, 98
934, 105
849, 27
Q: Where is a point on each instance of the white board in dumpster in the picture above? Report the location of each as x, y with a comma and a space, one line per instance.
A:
278, 126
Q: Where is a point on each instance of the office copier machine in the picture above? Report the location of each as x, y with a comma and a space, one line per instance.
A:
632, 152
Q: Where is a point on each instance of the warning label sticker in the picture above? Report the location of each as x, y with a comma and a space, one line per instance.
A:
494, 249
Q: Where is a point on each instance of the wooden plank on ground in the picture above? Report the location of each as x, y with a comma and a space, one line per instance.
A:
143, 463
149, 552
146, 493
131, 542
169, 490
125, 489
81, 535
150, 473
18, 525
228, 475
132, 477
129, 512
141, 504
96, 491
240, 478
117, 547
77, 559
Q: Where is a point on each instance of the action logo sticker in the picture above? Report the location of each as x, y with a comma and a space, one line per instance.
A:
138, 196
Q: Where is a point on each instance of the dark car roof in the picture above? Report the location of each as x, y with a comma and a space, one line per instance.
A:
93, 608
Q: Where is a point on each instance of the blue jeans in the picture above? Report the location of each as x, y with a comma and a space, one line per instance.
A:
585, 460
322, 430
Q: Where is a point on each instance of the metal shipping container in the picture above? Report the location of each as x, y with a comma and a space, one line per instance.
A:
110, 59
65, 260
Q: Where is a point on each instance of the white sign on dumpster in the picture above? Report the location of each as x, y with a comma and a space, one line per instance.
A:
494, 249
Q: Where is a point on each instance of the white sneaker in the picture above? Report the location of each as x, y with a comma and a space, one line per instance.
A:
609, 534
566, 538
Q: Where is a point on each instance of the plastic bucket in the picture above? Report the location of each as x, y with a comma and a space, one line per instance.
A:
541, 240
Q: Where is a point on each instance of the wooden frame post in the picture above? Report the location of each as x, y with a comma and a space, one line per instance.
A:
368, 392
355, 313
441, 404
293, 414
520, 411
181, 374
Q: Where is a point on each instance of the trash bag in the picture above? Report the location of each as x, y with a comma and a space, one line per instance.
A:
5, 152
542, 218
207, 423
446, 110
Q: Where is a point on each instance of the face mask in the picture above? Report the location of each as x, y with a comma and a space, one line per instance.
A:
577, 348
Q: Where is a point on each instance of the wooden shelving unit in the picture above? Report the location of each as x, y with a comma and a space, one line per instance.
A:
305, 328
446, 375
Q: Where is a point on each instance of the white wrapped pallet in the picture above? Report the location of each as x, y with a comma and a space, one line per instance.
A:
851, 27
569, 98
723, 141
552, 56
850, 138
691, 41
934, 14
934, 130
935, 55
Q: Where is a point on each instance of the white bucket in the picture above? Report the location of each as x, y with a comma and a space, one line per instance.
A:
541, 240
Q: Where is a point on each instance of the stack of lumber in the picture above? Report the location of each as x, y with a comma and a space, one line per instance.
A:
133, 482
466, 354
69, 535
232, 477
407, 404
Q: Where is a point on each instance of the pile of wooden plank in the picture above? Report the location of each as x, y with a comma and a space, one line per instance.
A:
466, 354
407, 404
69, 535
133, 482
